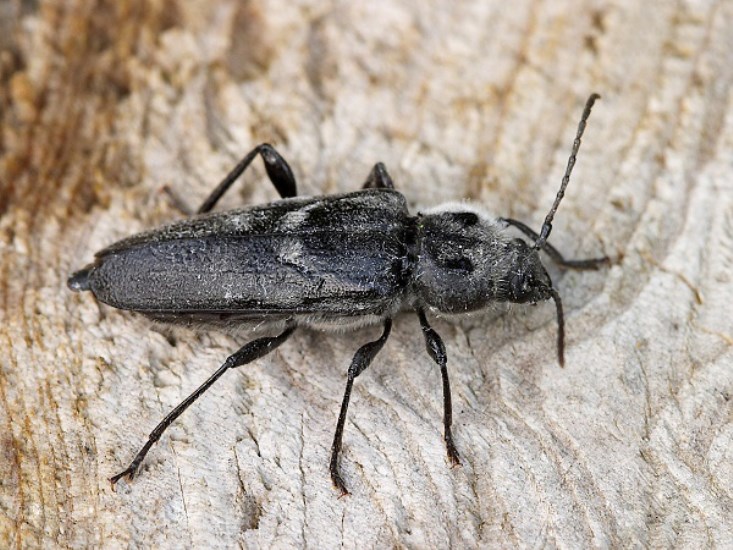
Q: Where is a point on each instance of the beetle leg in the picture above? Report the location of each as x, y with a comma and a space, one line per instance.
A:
361, 361
554, 253
277, 168
378, 178
436, 349
248, 353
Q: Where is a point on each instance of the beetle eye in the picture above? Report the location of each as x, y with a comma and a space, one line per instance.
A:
522, 287
517, 286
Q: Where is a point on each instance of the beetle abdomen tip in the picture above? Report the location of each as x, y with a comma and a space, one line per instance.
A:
79, 281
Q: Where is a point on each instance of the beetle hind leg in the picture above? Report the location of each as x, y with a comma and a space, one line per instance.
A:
278, 170
246, 354
378, 178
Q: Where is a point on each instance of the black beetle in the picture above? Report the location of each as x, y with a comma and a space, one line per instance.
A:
347, 260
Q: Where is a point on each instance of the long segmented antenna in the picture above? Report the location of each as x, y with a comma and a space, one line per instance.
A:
547, 226
560, 327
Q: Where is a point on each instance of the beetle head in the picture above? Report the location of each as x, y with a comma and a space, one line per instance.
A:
530, 282
526, 280
464, 263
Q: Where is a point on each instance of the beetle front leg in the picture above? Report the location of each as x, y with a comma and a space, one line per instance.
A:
554, 253
378, 178
362, 359
436, 350
248, 353
278, 170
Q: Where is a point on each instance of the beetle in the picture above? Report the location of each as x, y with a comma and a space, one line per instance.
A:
346, 260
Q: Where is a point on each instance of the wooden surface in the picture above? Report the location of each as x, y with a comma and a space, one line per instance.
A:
107, 104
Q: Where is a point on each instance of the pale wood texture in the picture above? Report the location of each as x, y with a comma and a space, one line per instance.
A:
106, 104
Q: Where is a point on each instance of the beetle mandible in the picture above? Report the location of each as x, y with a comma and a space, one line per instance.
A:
345, 260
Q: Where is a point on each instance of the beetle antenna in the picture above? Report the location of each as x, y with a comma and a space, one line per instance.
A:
560, 327
547, 226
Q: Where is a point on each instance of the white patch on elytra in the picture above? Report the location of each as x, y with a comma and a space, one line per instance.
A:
233, 222
291, 252
294, 219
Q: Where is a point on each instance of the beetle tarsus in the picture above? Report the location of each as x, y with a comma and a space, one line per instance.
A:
128, 473
339, 484
455, 459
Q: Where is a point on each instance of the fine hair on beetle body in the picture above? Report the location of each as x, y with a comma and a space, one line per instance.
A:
328, 262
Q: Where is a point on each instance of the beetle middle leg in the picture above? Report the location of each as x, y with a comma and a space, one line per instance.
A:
362, 359
278, 170
436, 349
378, 178
246, 354
554, 253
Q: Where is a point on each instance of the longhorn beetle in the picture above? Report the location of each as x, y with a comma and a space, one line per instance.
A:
345, 260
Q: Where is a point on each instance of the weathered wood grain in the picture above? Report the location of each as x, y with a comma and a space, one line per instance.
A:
107, 104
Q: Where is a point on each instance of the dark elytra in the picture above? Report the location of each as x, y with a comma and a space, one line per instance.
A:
342, 260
